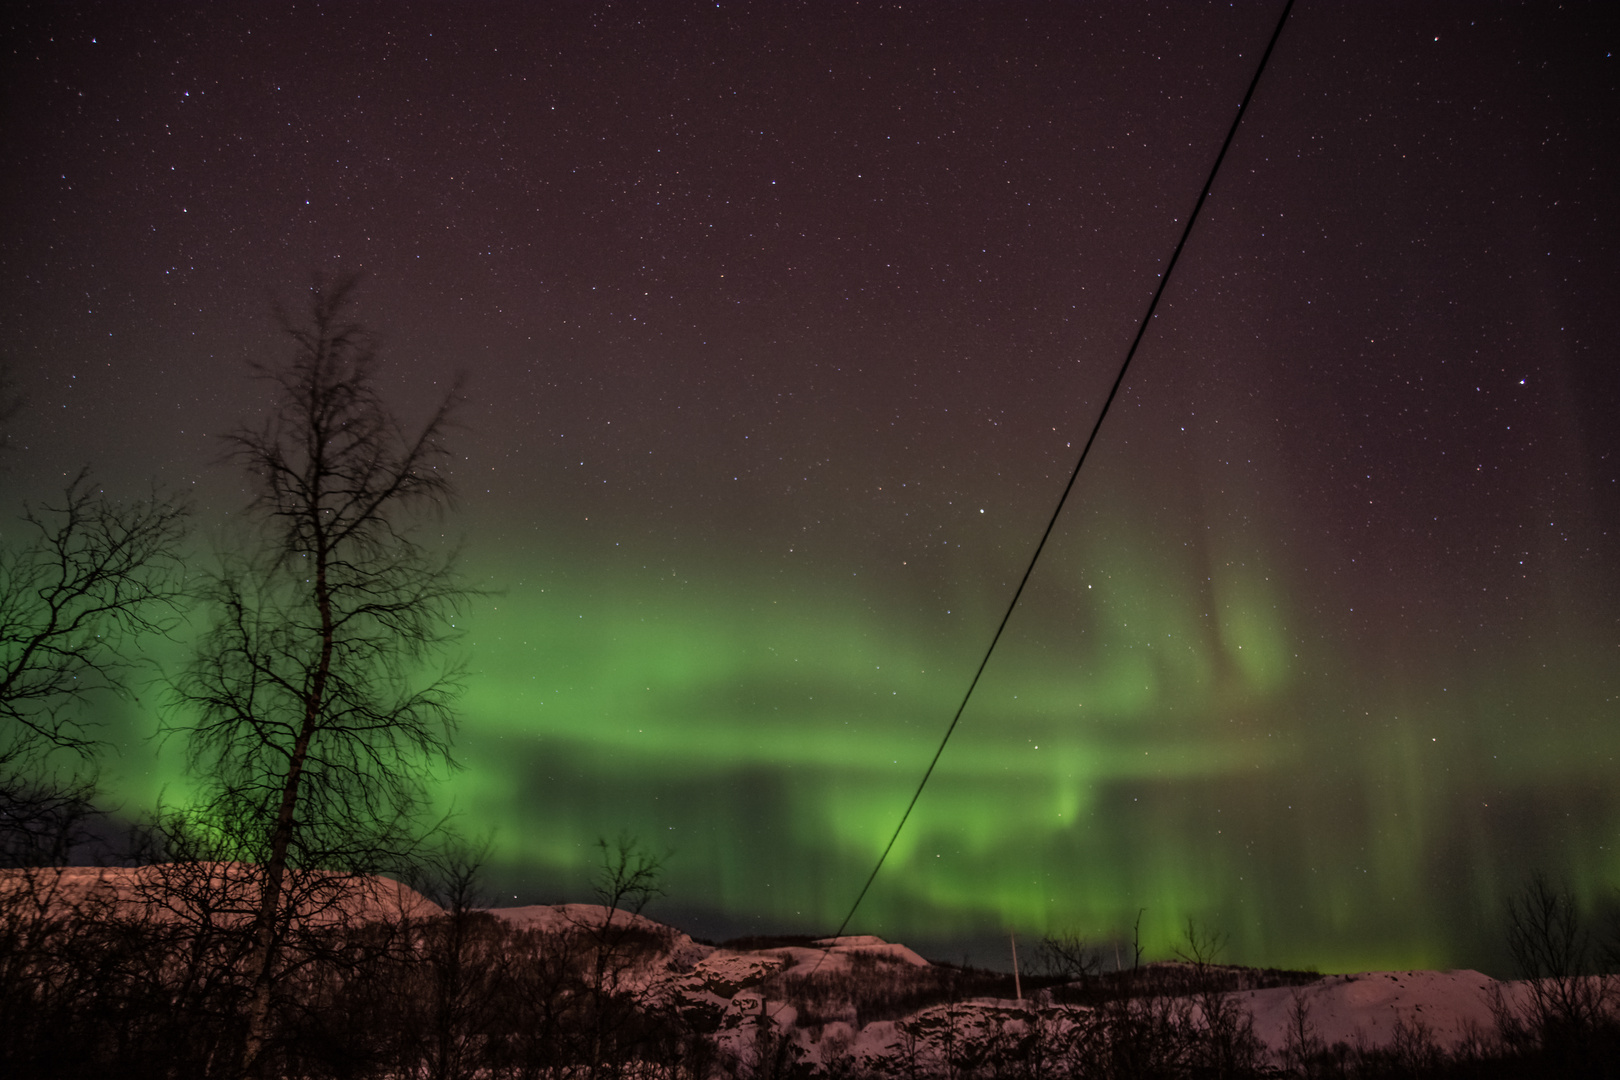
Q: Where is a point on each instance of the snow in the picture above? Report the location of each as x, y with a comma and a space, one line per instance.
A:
1364, 1009
227, 889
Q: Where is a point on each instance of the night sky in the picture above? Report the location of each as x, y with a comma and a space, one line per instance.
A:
784, 325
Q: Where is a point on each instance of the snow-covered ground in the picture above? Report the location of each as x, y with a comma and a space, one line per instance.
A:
227, 891
746, 997
1366, 1011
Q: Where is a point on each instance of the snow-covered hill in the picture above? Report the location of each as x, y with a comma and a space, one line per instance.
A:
850, 1005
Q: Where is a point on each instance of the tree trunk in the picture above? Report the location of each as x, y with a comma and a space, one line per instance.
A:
263, 960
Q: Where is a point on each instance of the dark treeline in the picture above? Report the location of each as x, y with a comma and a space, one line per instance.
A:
148, 973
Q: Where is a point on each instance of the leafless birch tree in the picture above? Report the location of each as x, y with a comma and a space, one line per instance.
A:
318, 701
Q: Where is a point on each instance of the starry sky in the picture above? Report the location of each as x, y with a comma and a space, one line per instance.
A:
784, 324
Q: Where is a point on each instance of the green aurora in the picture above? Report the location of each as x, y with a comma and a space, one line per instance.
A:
782, 331
1161, 730
1194, 757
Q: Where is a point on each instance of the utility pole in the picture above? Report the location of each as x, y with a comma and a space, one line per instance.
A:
1018, 987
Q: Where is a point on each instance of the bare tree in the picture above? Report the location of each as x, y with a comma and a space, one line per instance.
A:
627, 880
1301, 1044
1070, 957
318, 696
1569, 1012
1222, 1041
88, 578
1544, 932
463, 958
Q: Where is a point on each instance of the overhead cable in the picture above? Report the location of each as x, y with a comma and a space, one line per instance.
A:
1130, 354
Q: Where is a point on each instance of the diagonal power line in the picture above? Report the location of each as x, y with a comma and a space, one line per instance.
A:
1119, 379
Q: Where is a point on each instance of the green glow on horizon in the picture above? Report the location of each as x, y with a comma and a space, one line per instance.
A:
1153, 734
832, 709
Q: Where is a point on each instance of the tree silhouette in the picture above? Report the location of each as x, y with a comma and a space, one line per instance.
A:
89, 577
317, 696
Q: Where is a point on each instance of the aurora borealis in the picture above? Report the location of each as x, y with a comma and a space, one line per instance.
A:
783, 325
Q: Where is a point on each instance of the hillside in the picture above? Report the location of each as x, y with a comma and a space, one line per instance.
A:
137, 972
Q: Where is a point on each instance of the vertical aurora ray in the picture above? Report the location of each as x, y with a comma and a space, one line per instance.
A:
780, 331
1162, 729
1194, 713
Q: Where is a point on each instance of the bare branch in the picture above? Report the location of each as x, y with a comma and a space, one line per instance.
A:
93, 577
319, 695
